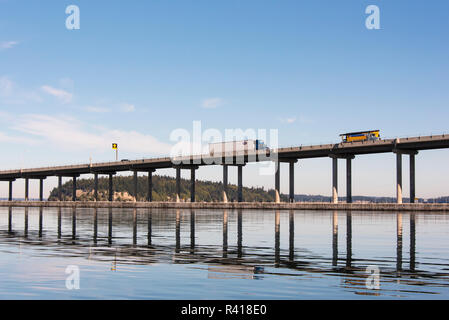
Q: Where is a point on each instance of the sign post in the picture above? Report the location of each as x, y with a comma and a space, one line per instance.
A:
115, 147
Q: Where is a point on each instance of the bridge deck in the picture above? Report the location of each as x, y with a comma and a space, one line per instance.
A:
410, 144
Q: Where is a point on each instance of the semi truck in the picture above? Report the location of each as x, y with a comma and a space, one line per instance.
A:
237, 146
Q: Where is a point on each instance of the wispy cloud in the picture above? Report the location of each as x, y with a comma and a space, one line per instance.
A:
289, 120
300, 119
10, 93
8, 44
93, 109
6, 86
62, 95
69, 132
211, 103
127, 107
5, 138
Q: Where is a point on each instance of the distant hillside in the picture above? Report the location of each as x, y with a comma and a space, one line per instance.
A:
163, 190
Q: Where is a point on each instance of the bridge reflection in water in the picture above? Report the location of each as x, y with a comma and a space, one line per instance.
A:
244, 259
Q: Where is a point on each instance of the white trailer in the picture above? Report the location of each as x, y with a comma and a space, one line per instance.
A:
236, 147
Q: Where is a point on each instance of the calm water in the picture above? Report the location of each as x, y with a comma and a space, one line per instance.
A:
217, 254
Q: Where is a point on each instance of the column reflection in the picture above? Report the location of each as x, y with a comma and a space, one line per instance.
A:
239, 234
192, 231
335, 239
277, 225
412, 241
348, 239
225, 233
399, 241
291, 242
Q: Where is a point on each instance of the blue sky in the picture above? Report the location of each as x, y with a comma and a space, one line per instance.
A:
135, 71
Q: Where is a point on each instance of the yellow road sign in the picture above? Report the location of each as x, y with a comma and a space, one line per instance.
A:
114, 146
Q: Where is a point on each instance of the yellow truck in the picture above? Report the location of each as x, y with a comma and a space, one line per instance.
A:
360, 136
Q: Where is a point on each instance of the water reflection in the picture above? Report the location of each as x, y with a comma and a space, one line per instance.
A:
399, 242
149, 222
73, 223
335, 238
239, 234
412, 241
41, 217
110, 226
178, 231
95, 225
192, 231
291, 239
277, 243
221, 259
225, 233
26, 222
348, 240
9, 220
59, 223
135, 227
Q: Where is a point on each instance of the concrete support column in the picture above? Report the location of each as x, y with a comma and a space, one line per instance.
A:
74, 189
150, 186
292, 182
277, 182
59, 188
10, 191
178, 184
348, 180
192, 185
27, 184
334, 180
240, 183
96, 186
135, 185
111, 192
398, 178
225, 183
412, 178
41, 189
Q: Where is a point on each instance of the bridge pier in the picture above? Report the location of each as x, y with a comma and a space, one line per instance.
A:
41, 189
240, 183
27, 185
74, 188
150, 186
349, 158
178, 184
291, 196
192, 184
225, 183
412, 154
10, 190
412, 178
111, 192
135, 186
399, 178
277, 182
349, 179
60, 188
96, 187
334, 180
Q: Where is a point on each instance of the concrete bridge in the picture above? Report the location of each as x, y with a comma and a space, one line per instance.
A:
346, 151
